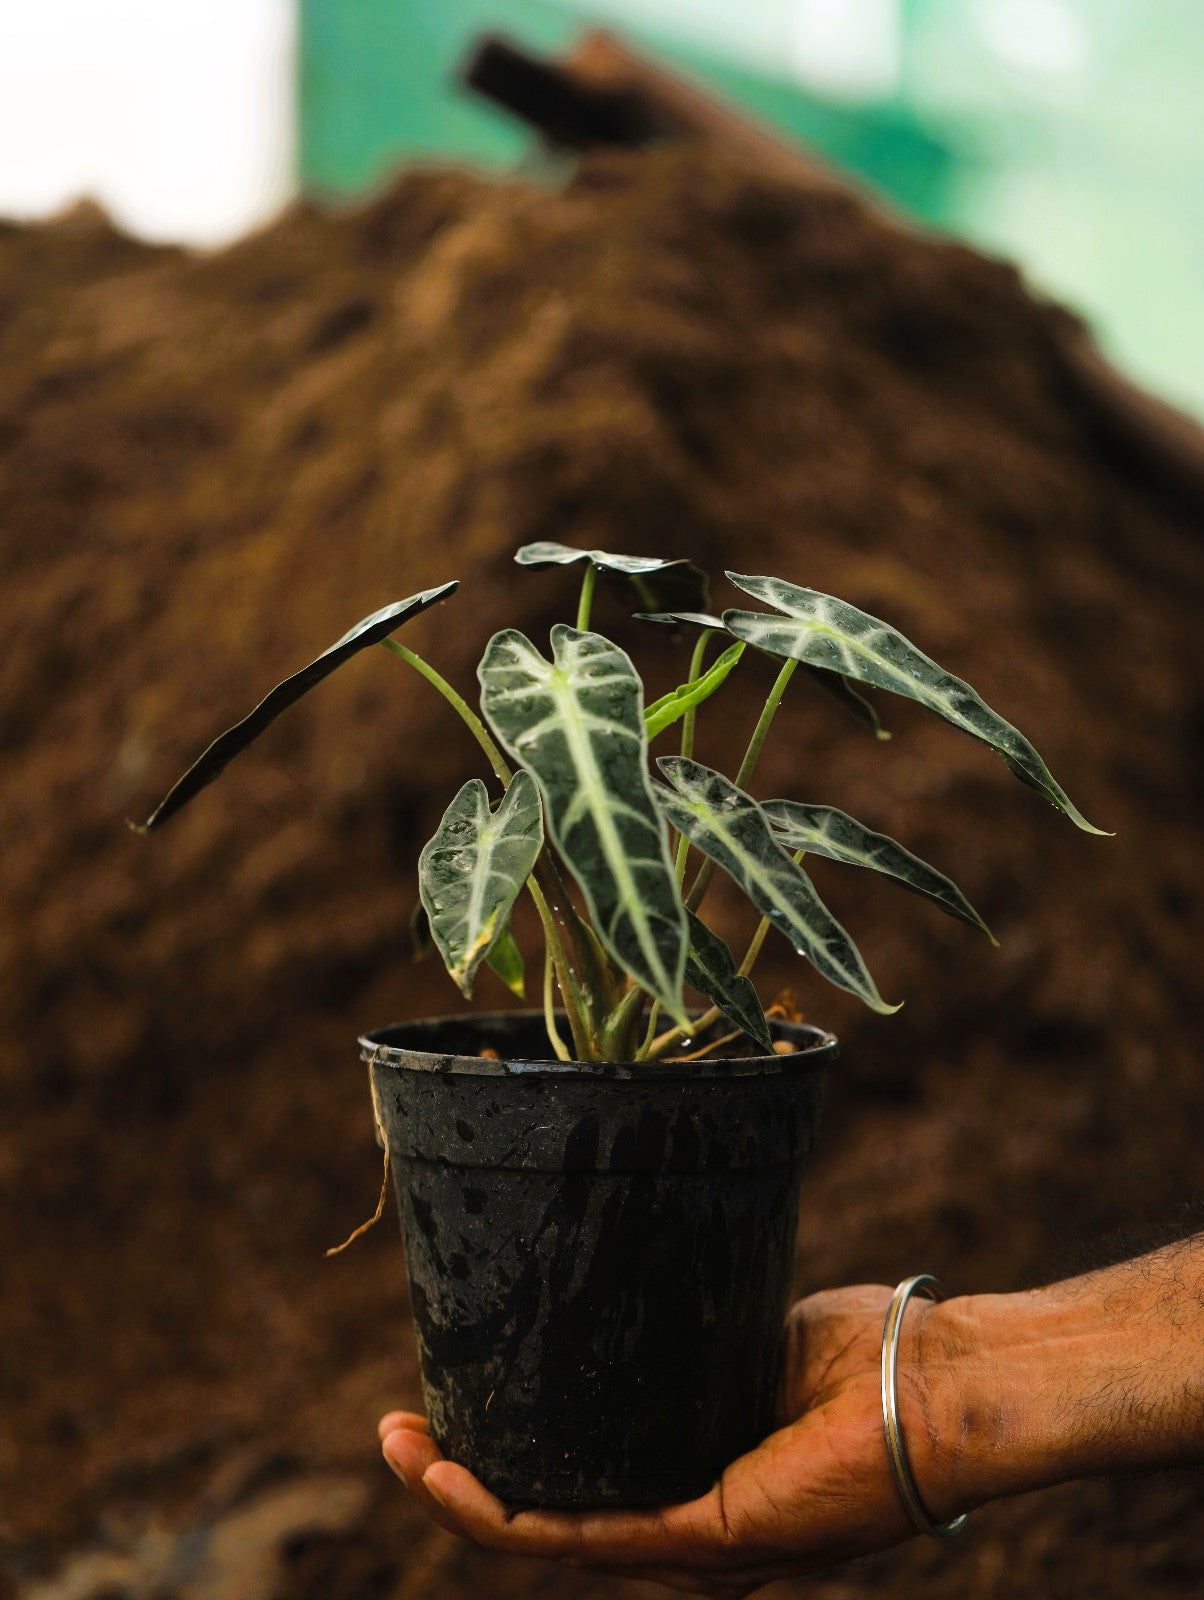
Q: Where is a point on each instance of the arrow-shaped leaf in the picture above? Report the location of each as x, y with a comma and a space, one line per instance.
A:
711, 970
659, 584
663, 713
472, 871
825, 831
226, 746
829, 633
728, 826
576, 724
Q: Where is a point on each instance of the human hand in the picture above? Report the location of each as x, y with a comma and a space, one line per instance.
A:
998, 1394
817, 1491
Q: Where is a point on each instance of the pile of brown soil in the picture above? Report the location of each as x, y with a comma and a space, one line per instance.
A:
208, 469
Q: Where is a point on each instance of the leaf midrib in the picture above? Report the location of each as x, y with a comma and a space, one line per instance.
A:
932, 696
753, 868
582, 753
480, 877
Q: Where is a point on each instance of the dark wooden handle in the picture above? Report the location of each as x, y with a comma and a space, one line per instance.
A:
565, 107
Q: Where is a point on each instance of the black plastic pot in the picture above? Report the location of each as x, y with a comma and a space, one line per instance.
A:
599, 1254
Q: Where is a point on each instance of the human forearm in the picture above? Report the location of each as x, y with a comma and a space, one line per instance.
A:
1102, 1373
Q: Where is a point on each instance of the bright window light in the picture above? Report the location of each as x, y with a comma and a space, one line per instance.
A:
177, 117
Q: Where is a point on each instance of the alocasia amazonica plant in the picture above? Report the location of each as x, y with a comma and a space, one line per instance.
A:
567, 736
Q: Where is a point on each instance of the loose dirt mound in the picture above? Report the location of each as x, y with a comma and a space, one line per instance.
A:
209, 468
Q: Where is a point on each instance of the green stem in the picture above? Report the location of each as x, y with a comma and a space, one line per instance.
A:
687, 722
679, 866
587, 980
754, 948
585, 996
770, 710
548, 921
549, 1009
619, 1029
458, 704
587, 596
650, 1034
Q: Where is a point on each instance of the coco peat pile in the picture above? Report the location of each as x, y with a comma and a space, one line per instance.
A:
209, 467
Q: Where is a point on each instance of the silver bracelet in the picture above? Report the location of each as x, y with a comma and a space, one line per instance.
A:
925, 1283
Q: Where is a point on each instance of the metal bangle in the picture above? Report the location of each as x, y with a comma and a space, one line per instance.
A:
905, 1483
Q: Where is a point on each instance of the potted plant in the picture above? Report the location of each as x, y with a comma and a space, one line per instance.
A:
600, 1198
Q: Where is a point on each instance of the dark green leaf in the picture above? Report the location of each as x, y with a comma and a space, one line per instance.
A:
473, 870
711, 970
825, 831
660, 585
236, 739
829, 633
728, 826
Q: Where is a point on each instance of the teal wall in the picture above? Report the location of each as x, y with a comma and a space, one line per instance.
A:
1068, 134
376, 84
378, 87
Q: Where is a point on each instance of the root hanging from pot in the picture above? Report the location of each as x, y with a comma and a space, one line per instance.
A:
337, 1249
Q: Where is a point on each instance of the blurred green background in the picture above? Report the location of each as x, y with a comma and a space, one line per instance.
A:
1066, 134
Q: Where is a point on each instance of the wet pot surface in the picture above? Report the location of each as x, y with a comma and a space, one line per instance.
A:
599, 1254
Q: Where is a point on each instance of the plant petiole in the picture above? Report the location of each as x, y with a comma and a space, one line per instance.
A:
458, 704
549, 1009
619, 1028
688, 721
587, 596
768, 712
650, 1033
754, 948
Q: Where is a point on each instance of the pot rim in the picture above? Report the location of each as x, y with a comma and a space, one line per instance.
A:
388, 1047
